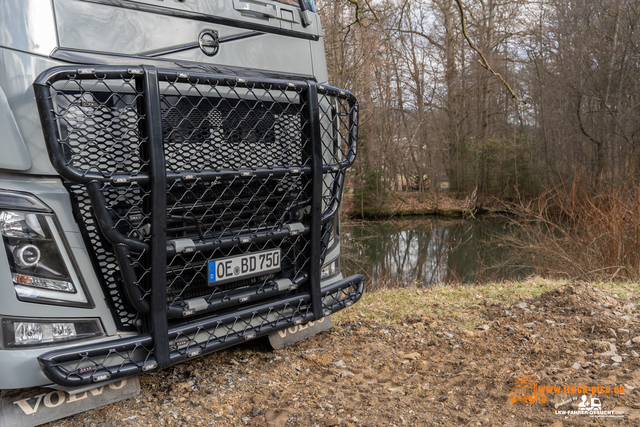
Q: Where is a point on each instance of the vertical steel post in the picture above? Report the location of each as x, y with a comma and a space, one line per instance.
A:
157, 170
316, 199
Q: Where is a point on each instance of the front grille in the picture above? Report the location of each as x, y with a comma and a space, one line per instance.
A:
214, 133
169, 172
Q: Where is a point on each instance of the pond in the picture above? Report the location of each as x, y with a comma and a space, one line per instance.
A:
427, 251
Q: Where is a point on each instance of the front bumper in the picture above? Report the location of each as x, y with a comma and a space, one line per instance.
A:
125, 357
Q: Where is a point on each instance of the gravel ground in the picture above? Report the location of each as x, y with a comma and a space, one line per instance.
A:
419, 370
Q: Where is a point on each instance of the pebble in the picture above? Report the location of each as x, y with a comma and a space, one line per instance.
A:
636, 340
634, 353
246, 420
521, 305
412, 356
576, 366
617, 359
347, 374
483, 327
340, 364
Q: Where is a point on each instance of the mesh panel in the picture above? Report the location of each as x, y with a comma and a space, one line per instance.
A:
99, 125
103, 258
207, 137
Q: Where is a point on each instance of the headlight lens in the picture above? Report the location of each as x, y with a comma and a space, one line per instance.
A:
41, 267
331, 269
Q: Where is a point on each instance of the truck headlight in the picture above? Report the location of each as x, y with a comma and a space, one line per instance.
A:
41, 267
21, 332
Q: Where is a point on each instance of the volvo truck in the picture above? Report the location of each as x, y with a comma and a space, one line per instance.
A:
171, 173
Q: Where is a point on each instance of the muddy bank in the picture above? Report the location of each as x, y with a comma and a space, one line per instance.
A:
416, 369
413, 203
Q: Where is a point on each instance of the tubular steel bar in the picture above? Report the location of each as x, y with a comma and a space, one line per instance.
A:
316, 199
153, 116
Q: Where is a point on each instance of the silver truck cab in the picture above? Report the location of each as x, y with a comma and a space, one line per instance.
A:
170, 178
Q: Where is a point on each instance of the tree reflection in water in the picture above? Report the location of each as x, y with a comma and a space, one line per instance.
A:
425, 252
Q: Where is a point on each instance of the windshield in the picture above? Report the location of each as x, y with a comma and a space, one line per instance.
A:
308, 3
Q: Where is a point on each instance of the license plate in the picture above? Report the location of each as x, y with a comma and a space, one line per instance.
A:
244, 266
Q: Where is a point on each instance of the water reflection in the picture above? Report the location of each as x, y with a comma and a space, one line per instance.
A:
424, 251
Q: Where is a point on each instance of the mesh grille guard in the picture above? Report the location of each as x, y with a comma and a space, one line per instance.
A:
240, 166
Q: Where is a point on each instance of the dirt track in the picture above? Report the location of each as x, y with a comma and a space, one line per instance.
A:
422, 370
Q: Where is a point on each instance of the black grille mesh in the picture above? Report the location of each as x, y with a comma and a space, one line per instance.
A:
103, 257
217, 134
99, 124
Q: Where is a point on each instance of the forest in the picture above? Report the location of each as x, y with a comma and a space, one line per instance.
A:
509, 98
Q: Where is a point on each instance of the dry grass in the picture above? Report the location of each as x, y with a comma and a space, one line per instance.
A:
461, 302
578, 234
457, 301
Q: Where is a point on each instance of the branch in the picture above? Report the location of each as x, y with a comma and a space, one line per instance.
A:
357, 5
426, 36
372, 10
483, 60
582, 128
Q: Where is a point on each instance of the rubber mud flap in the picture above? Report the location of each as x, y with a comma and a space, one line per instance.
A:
296, 333
40, 405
